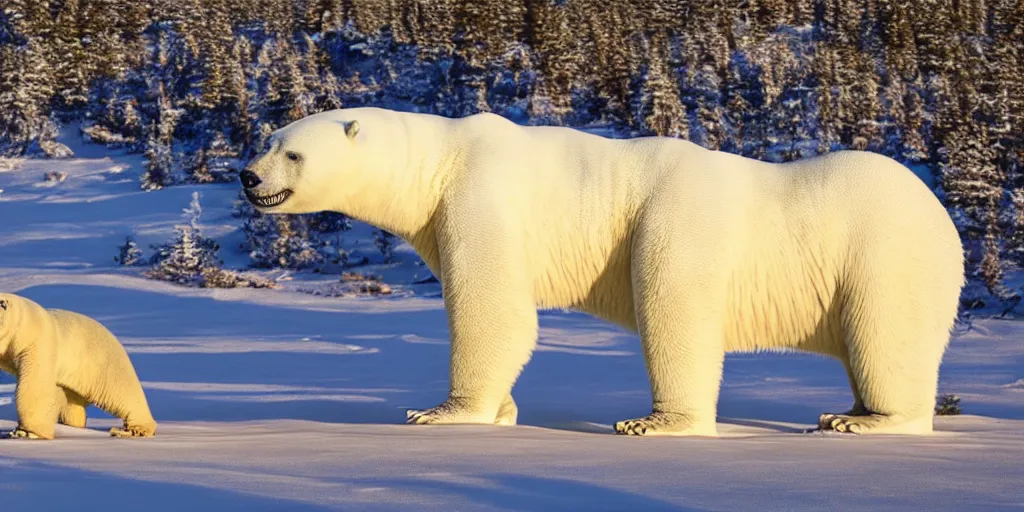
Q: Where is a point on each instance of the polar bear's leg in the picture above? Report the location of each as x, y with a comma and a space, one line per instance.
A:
508, 413
858, 408
894, 357
36, 397
684, 355
72, 413
487, 356
828, 419
492, 319
679, 309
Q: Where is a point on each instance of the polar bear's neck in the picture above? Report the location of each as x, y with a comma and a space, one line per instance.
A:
402, 185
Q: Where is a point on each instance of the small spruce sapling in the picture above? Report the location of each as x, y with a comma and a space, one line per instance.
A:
947, 405
385, 243
191, 260
129, 254
183, 260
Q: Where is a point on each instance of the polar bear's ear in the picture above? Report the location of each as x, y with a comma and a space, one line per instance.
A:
352, 129
3, 305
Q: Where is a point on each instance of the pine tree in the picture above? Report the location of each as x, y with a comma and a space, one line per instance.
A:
385, 243
972, 182
318, 79
913, 144
238, 94
69, 57
1015, 242
435, 32
279, 16
898, 39
26, 86
991, 267
159, 154
217, 42
309, 15
934, 35
551, 99
710, 132
1003, 104
281, 241
616, 54
660, 110
298, 98
866, 105
272, 75
129, 254
370, 16
824, 66
159, 163
190, 259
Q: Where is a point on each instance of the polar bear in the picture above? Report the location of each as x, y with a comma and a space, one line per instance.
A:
700, 252
63, 362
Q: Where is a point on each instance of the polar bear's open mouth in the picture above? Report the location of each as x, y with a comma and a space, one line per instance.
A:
268, 201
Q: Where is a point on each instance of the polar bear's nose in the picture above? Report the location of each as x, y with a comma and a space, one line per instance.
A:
249, 179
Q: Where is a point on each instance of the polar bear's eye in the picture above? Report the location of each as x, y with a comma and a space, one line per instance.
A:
294, 157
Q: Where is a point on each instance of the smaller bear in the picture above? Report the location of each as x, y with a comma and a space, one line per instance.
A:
63, 362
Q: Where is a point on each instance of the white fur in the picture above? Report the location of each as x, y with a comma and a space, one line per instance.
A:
701, 252
65, 361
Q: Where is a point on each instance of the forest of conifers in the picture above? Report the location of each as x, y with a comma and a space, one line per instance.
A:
194, 85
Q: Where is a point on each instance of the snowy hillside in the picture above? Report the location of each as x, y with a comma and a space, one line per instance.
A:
282, 400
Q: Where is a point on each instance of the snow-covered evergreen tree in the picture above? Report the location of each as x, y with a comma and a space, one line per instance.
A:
659, 109
26, 86
191, 258
129, 254
183, 260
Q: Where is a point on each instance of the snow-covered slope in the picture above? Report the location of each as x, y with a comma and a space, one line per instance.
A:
280, 400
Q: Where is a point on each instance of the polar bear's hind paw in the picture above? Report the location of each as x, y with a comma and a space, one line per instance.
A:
875, 424
664, 424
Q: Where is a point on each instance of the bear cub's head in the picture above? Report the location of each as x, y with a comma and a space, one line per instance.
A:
301, 161
6, 306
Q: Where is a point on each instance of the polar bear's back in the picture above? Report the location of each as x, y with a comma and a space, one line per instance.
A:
880, 205
796, 232
88, 354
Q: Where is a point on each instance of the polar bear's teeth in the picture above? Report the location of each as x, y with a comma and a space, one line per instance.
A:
272, 200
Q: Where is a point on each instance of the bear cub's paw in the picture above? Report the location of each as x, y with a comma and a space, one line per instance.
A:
20, 433
134, 431
665, 424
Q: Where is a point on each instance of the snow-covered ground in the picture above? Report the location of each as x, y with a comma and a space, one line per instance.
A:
280, 400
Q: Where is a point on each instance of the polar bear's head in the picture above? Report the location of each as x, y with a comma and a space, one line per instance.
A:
306, 166
7, 303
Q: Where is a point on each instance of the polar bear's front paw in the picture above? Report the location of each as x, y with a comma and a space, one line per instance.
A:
20, 433
840, 423
665, 424
452, 411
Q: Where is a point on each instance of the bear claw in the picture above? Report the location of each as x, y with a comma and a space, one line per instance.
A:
839, 423
20, 433
663, 424
452, 411
132, 431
